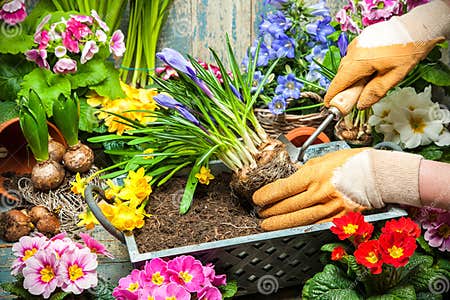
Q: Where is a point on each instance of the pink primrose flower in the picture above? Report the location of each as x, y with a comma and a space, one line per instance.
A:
77, 29
64, 66
187, 271
99, 21
438, 234
82, 19
155, 272
211, 278
13, 12
89, 50
129, 286
24, 249
171, 291
94, 245
374, 11
78, 271
40, 274
209, 293
39, 57
101, 36
70, 43
117, 44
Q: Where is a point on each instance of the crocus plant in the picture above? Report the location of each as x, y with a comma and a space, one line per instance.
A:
181, 278
387, 266
55, 267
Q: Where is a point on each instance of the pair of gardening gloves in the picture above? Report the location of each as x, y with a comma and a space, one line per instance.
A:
357, 179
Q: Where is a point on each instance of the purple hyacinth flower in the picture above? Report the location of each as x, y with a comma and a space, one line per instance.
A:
288, 86
278, 105
284, 46
169, 102
174, 59
342, 43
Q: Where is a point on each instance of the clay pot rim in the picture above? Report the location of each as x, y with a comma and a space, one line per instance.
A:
306, 131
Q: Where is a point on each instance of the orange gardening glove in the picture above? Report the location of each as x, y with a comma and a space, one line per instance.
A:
384, 53
329, 186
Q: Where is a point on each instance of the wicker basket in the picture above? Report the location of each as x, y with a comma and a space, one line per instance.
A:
275, 125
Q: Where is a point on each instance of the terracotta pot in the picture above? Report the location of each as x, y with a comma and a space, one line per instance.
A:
19, 159
299, 135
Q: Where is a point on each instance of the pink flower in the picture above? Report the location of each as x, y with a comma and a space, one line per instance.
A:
168, 71
82, 19
39, 57
40, 274
374, 11
347, 23
64, 66
116, 44
101, 36
24, 249
155, 272
13, 12
37, 34
129, 286
43, 39
78, 271
410, 4
90, 48
61, 247
70, 43
59, 236
211, 278
99, 21
187, 271
171, 291
77, 29
438, 233
60, 51
147, 293
427, 216
209, 293
94, 245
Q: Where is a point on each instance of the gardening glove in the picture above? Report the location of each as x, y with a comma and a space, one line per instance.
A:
329, 186
384, 53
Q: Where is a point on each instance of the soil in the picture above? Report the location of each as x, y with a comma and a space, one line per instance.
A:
214, 215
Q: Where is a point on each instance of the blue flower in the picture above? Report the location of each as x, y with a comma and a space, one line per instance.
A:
276, 3
284, 46
288, 86
313, 75
169, 102
257, 78
320, 9
320, 29
174, 59
265, 54
236, 92
275, 23
342, 43
278, 105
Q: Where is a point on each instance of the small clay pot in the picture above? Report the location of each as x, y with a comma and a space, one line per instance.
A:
299, 135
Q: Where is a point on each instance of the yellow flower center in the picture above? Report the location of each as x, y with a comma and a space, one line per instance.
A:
133, 286
171, 298
75, 272
444, 231
157, 278
185, 276
150, 298
29, 253
395, 252
385, 113
47, 274
290, 85
350, 228
417, 124
372, 257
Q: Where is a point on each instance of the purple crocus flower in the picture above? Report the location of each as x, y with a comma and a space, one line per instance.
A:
174, 59
320, 29
288, 86
438, 235
169, 102
278, 105
342, 43
236, 92
284, 46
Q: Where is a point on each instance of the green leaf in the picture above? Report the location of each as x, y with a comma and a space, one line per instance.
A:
110, 87
332, 59
189, 190
329, 284
9, 110
356, 268
397, 293
88, 120
428, 296
42, 8
228, 290
424, 245
424, 278
443, 264
47, 85
14, 40
16, 288
91, 73
12, 70
330, 247
439, 74
59, 295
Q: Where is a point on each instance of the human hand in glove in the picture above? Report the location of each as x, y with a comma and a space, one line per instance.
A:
352, 180
384, 53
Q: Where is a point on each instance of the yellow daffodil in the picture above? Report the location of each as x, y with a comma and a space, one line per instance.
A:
148, 151
113, 190
204, 176
88, 220
79, 185
94, 99
137, 187
107, 209
127, 219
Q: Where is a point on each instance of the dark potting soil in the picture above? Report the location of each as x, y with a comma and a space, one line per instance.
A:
214, 215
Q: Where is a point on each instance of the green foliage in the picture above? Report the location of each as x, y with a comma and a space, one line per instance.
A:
332, 59
438, 74
92, 73
330, 247
398, 293
229, 290
9, 110
16, 288
13, 39
434, 152
66, 115
12, 70
109, 87
88, 120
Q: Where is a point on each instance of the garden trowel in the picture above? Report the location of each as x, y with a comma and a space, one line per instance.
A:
340, 106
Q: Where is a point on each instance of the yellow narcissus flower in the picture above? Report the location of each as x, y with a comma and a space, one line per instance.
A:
204, 176
127, 219
137, 187
88, 220
113, 190
148, 151
78, 185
